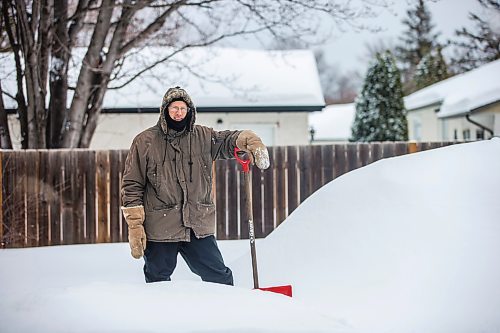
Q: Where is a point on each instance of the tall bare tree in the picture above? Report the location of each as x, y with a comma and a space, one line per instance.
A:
481, 44
416, 42
43, 37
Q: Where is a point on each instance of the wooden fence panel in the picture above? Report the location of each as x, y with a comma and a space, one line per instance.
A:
220, 198
269, 198
316, 169
401, 148
233, 190
67, 223
124, 226
327, 155
114, 194
258, 216
45, 199
280, 166
54, 181
388, 150
89, 167
352, 158
52, 197
31, 197
376, 151
8, 180
365, 157
293, 184
102, 164
78, 195
305, 172
20, 198
243, 202
340, 163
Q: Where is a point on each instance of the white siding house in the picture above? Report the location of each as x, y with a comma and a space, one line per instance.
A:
463, 107
270, 92
332, 124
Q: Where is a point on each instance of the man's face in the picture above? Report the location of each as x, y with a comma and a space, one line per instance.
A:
177, 110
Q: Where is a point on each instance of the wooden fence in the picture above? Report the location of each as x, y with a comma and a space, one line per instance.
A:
52, 197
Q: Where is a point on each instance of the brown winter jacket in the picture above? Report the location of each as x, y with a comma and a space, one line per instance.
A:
170, 174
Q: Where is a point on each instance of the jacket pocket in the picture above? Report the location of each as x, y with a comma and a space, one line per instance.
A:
164, 223
203, 218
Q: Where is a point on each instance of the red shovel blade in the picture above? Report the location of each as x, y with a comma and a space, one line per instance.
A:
285, 290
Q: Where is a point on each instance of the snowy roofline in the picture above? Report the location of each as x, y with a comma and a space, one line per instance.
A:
214, 77
460, 94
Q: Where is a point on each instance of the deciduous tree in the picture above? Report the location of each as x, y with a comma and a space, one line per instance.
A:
43, 37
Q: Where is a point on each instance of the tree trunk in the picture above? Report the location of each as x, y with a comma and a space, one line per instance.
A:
101, 84
35, 93
74, 121
94, 112
16, 50
58, 76
5, 142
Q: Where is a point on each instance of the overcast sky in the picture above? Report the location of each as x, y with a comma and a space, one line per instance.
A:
347, 49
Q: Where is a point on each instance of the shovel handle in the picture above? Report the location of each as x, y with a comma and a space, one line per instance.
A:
244, 163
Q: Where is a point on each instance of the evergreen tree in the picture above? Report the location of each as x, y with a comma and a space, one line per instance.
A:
431, 69
478, 47
417, 41
380, 113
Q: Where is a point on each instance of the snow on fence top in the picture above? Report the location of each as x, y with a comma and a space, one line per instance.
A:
214, 77
462, 93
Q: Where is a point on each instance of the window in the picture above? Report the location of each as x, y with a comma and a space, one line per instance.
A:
480, 134
466, 134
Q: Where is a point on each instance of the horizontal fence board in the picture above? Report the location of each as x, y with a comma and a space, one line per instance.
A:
52, 197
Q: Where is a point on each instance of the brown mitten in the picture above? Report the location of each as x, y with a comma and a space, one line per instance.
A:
250, 142
136, 235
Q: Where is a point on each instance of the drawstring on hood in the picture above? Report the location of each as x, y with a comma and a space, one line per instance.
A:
185, 126
190, 161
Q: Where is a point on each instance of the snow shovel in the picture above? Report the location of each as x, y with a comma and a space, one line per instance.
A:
242, 158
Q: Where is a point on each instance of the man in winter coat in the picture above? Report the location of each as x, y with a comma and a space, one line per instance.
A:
167, 190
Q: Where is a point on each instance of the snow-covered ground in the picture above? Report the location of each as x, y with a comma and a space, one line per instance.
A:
407, 244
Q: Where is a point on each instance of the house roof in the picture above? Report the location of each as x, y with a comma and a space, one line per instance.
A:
460, 94
333, 123
218, 79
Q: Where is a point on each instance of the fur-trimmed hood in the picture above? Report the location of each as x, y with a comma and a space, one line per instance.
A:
172, 94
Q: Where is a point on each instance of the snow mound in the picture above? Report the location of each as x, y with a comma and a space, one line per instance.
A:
180, 306
100, 288
406, 244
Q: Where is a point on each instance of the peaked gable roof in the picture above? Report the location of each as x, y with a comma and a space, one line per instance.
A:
460, 94
216, 78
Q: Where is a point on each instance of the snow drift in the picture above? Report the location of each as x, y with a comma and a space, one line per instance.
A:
406, 244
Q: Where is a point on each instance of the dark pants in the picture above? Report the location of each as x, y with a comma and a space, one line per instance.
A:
201, 255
